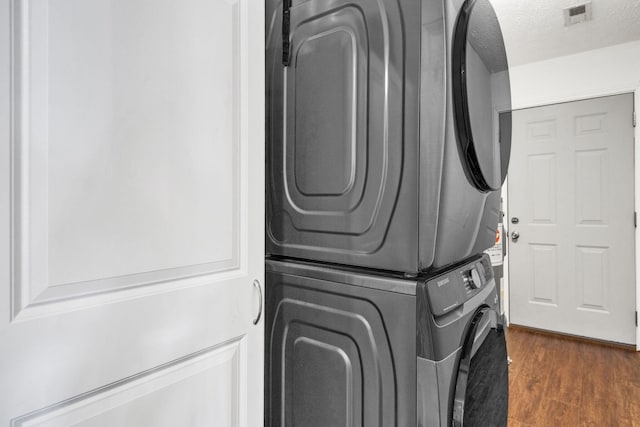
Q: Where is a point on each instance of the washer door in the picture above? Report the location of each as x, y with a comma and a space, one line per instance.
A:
482, 387
480, 80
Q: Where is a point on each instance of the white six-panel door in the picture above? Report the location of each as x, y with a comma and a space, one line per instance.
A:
571, 190
131, 212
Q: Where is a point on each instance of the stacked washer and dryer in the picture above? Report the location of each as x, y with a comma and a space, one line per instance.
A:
383, 191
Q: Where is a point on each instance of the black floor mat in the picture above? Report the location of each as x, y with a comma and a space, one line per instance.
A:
487, 399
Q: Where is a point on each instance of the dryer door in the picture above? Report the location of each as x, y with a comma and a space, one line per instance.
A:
482, 387
480, 85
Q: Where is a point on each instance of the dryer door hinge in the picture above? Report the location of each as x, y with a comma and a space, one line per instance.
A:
286, 29
634, 119
635, 219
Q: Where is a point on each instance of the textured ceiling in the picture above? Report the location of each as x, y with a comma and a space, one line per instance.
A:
534, 30
484, 35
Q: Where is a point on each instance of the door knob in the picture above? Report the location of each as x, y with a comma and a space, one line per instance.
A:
515, 236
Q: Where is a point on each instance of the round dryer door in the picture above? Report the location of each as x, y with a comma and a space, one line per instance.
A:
480, 87
482, 385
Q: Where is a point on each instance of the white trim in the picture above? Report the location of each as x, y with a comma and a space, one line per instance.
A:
617, 90
497, 110
636, 167
506, 241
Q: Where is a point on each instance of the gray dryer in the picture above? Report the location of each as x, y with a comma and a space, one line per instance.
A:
380, 131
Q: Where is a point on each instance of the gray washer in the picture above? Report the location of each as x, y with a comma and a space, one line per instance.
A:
345, 347
461, 347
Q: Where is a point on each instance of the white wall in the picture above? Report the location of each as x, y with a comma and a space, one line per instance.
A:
599, 72
589, 74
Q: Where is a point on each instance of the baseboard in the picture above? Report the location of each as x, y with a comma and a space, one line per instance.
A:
579, 338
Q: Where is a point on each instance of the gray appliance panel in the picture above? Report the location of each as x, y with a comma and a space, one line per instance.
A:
468, 218
433, 90
362, 163
442, 333
434, 402
337, 120
337, 354
450, 290
347, 275
442, 324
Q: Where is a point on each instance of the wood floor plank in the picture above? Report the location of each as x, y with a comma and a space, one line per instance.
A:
567, 369
556, 381
598, 378
525, 396
627, 367
555, 413
516, 423
604, 414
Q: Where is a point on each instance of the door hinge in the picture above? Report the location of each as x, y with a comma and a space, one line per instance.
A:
634, 119
635, 219
636, 318
286, 29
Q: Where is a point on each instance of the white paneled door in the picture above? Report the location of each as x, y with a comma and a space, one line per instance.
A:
131, 212
571, 203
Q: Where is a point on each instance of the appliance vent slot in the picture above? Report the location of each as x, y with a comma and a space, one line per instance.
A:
576, 14
578, 10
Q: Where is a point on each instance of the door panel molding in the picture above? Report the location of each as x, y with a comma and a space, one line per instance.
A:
592, 187
33, 168
593, 266
199, 368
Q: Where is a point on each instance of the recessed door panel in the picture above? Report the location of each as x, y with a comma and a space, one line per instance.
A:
177, 393
591, 278
115, 160
544, 274
592, 186
542, 182
541, 131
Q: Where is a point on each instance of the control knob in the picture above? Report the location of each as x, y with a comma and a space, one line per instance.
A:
475, 281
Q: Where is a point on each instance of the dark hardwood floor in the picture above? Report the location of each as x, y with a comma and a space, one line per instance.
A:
559, 381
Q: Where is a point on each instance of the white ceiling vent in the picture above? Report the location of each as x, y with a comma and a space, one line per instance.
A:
578, 13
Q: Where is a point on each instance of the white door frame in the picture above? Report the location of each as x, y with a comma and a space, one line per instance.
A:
633, 88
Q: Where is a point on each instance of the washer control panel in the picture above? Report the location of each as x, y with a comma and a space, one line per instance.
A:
451, 289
